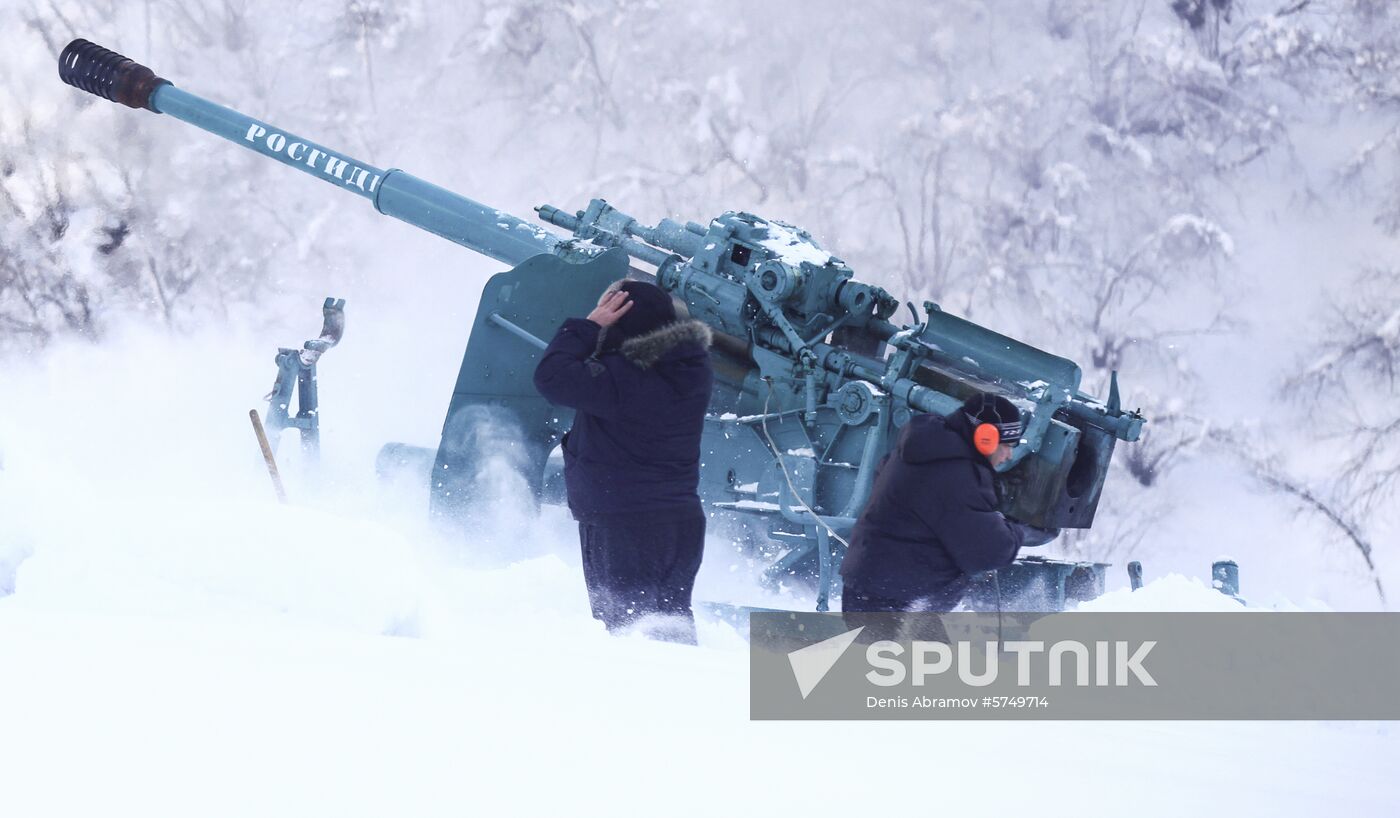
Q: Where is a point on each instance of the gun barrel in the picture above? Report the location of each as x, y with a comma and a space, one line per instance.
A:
393, 192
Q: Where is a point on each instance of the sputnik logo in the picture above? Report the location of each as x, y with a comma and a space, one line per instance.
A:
811, 664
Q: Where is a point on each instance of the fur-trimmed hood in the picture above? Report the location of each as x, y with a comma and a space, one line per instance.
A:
646, 349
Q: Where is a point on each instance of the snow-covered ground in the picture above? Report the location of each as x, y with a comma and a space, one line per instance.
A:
173, 642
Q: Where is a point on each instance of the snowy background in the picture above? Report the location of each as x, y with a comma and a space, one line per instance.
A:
1198, 194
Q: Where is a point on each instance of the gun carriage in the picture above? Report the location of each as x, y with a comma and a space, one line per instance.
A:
814, 375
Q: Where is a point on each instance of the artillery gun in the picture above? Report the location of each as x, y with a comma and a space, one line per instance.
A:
813, 378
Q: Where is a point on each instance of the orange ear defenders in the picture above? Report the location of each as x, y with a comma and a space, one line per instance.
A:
986, 438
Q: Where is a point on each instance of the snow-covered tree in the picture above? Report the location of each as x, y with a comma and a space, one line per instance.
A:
1070, 172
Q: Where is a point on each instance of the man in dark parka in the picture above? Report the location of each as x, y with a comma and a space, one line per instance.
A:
932, 522
639, 380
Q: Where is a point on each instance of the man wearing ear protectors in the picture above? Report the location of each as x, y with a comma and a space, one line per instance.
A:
932, 522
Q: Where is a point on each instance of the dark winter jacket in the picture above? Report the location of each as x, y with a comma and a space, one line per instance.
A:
635, 443
932, 520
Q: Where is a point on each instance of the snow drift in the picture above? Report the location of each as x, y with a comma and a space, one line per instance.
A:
174, 642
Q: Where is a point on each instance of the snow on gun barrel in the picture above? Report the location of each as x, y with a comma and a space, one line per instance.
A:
813, 379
